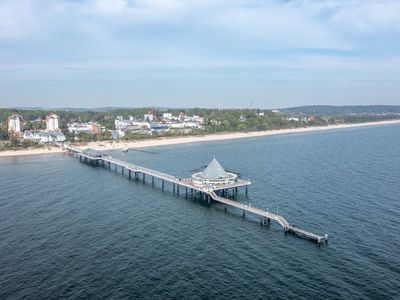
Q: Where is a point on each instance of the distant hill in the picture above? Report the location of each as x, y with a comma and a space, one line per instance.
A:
316, 110
77, 109
325, 110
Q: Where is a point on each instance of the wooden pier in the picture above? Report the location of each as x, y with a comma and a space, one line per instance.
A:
208, 193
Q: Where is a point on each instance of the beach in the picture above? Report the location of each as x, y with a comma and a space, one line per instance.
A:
117, 145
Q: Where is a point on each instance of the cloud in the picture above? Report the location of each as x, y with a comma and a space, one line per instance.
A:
296, 23
266, 40
367, 16
16, 17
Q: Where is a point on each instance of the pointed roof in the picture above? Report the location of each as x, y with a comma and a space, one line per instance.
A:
214, 170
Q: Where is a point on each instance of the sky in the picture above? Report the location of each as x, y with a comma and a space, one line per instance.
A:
199, 53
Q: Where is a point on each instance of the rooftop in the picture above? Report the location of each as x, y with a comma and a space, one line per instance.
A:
214, 170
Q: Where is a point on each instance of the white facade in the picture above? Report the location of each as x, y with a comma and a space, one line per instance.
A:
194, 119
80, 128
167, 115
148, 117
184, 125
131, 125
52, 122
44, 136
296, 119
15, 123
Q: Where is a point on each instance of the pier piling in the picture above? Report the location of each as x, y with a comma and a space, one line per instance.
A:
206, 193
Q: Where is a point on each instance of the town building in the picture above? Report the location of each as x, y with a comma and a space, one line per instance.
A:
42, 136
15, 124
159, 127
214, 176
167, 115
148, 117
52, 122
78, 128
96, 128
131, 125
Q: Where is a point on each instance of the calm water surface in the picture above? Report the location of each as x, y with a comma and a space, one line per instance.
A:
69, 230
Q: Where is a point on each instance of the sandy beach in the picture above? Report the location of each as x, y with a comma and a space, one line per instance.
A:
116, 145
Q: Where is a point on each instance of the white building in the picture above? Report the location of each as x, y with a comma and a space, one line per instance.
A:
148, 117
295, 119
195, 119
15, 123
52, 122
126, 125
192, 125
214, 176
44, 136
80, 128
167, 115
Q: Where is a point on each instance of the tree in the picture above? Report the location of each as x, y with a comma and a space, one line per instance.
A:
242, 127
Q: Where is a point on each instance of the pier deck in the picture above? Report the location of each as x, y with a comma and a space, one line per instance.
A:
205, 191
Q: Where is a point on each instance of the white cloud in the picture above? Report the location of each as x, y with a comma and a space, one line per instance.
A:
16, 17
109, 6
299, 22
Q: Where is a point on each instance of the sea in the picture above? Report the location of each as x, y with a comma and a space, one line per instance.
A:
73, 231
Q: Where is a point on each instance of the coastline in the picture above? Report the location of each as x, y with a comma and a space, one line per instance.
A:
106, 145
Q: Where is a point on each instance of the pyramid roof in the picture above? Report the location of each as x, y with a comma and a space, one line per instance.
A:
214, 170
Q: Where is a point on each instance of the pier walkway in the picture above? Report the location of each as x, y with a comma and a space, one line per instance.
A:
188, 184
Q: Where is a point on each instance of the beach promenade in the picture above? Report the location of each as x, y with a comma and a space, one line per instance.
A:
118, 145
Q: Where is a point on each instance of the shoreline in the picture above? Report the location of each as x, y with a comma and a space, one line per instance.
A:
107, 146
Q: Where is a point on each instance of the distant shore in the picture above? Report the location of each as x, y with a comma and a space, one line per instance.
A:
118, 145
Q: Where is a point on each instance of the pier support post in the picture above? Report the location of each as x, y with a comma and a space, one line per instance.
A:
122, 170
144, 178
129, 174
152, 180
225, 209
186, 192
162, 185
244, 214
246, 191
116, 168
109, 165
136, 176
177, 189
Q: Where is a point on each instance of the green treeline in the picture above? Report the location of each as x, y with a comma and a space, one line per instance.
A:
215, 120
